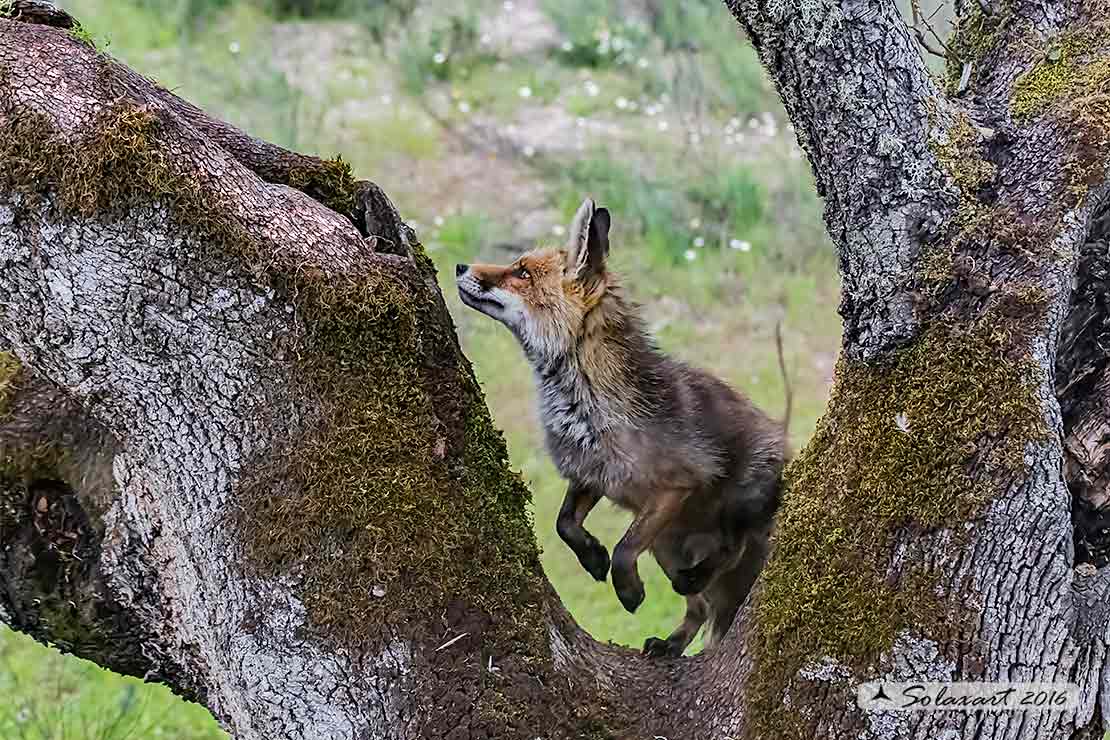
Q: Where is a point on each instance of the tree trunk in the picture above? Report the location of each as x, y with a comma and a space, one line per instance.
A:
242, 454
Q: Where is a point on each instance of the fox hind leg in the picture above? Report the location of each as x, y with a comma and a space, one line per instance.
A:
697, 610
730, 589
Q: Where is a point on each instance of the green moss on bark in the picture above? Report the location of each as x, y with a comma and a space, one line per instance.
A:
116, 166
9, 372
978, 225
329, 182
1070, 83
1076, 64
894, 452
388, 495
958, 148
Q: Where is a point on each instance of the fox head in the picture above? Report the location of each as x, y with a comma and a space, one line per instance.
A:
545, 295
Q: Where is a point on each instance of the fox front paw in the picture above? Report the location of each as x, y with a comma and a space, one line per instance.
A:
595, 559
655, 647
689, 581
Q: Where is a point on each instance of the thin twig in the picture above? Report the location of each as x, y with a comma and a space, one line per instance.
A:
919, 20
451, 642
925, 44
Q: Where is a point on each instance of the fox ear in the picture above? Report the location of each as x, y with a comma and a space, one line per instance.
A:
589, 241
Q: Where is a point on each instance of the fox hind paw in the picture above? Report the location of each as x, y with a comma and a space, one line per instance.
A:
656, 647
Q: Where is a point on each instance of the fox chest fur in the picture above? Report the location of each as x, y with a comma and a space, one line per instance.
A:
624, 442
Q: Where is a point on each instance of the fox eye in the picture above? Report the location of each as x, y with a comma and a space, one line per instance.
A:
522, 273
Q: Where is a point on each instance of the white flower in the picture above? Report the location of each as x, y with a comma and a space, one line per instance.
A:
592, 88
902, 422
439, 220
580, 122
567, 46
529, 151
387, 99
663, 125
740, 245
642, 63
485, 40
233, 47
558, 230
464, 107
622, 103
691, 255
695, 223
699, 241
525, 92
439, 57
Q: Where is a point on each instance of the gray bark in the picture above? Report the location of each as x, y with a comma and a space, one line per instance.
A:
181, 370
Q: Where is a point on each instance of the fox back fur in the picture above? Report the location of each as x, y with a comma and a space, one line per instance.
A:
696, 462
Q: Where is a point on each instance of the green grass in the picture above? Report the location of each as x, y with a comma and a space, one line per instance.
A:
48, 696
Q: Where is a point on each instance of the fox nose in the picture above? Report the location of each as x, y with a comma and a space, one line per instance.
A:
460, 269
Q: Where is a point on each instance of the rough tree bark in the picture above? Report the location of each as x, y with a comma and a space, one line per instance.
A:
242, 454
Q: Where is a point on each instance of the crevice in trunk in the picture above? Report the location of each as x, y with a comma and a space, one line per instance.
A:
1083, 389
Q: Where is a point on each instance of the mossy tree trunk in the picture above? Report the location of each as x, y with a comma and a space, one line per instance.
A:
242, 454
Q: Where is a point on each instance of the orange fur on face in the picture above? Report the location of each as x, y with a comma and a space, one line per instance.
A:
556, 304
536, 277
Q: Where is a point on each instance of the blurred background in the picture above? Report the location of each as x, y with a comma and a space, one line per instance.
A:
487, 123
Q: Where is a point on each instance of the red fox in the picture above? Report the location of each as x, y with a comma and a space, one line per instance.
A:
697, 463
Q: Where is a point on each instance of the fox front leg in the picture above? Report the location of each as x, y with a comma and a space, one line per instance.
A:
647, 525
577, 504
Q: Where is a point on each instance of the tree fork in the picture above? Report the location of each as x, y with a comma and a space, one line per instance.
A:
301, 460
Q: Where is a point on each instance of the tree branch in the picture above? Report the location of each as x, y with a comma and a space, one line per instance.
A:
861, 100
